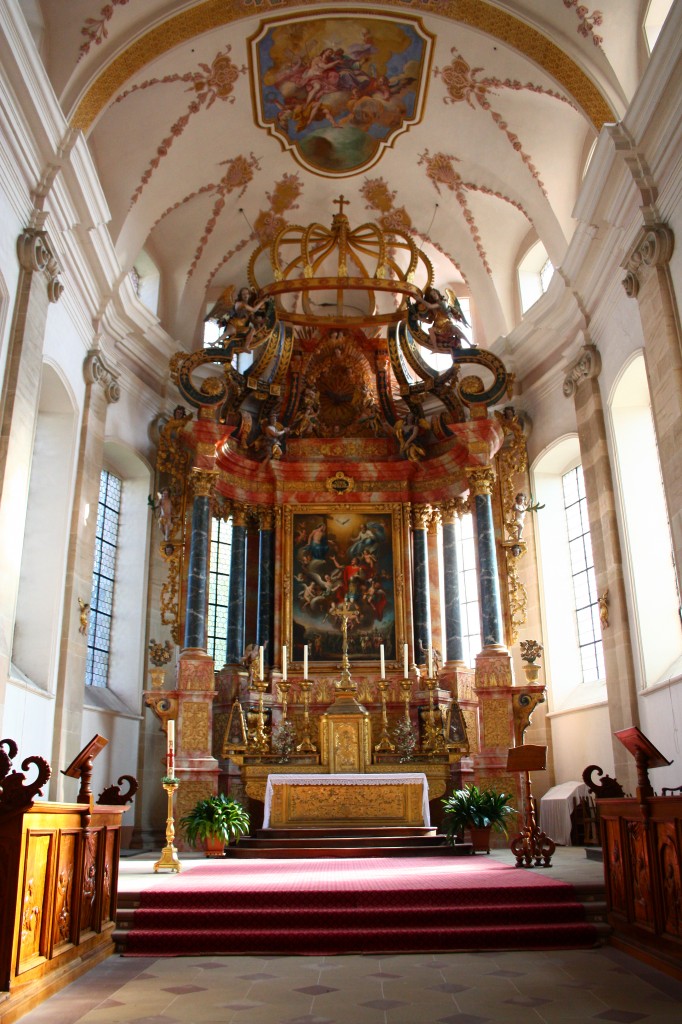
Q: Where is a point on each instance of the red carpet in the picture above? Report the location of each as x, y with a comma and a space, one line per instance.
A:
395, 905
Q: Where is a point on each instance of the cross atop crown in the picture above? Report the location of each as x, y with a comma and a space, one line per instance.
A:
342, 202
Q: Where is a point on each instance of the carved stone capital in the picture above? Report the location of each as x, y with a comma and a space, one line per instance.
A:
266, 517
34, 254
481, 480
586, 367
631, 284
96, 371
202, 482
653, 248
421, 516
453, 510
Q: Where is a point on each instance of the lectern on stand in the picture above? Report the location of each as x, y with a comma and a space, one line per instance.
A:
646, 756
81, 767
531, 846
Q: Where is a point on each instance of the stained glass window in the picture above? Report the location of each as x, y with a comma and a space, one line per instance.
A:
103, 574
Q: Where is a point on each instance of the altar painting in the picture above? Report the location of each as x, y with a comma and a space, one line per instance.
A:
339, 557
336, 90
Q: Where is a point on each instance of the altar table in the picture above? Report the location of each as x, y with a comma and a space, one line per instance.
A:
556, 807
300, 801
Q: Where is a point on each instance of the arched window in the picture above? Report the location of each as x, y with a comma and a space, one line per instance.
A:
648, 542
657, 12
534, 273
103, 579
218, 590
574, 657
146, 279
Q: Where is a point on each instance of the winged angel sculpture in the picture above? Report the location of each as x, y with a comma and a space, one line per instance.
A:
246, 320
441, 314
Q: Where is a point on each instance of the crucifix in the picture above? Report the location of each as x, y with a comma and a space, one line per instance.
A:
342, 202
345, 611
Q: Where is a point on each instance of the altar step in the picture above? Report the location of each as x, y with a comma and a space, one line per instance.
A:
394, 841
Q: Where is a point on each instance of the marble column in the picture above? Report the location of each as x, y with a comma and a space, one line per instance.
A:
203, 483
454, 650
421, 515
266, 583
236, 598
101, 390
582, 385
649, 281
38, 284
481, 480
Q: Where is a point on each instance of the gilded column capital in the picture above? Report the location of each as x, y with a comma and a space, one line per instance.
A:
421, 516
240, 514
202, 482
265, 515
481, 480
586, 367
97, 371
436, 520
35, 254
453, 510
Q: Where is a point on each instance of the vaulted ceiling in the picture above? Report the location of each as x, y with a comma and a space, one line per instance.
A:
212, 123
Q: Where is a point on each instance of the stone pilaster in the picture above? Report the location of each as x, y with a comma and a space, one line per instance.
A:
266, 583
236, 598
581, 383
481, 481
421, 608
101, 389
648, 281
38, 285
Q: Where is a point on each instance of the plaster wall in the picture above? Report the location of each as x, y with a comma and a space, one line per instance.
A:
579, 738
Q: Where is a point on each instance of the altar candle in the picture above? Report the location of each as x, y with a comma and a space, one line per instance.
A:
430, 662
405, 668
260, 663
305, 661
284, 663
383, 662
170, 742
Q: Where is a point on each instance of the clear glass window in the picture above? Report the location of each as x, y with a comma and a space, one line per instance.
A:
584, 580
218, 590
468, 589
103, 580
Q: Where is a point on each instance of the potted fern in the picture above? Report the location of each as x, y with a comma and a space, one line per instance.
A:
478, 810
215, 821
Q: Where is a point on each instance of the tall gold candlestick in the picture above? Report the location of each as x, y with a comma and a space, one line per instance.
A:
384, 744
306, 746
169, 854
284, 697
406, 690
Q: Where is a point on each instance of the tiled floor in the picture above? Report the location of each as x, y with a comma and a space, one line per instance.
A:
601, 985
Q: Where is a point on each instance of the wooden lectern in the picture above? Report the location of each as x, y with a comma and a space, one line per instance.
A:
646, 756
81, 767
531, 846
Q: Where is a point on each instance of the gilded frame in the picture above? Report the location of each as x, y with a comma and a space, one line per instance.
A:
348, 529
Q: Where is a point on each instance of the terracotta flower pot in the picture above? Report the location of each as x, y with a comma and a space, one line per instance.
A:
480, 839
214, 846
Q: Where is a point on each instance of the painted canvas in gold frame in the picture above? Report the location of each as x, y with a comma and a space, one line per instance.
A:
340, 552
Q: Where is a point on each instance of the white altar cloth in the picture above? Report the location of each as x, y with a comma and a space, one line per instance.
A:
378, 779
555, 810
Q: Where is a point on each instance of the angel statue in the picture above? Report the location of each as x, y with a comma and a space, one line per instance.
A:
244, 320
407, 429
441, 314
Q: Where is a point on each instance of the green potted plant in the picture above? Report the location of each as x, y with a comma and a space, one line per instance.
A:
479, 811
215, 821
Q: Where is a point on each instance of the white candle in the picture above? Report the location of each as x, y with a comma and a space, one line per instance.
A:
260, 663
383, 662
405, 668
284, 663
305, 661
430, 662
170, 744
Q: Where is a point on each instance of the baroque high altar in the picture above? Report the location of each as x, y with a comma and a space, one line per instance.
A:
343, 459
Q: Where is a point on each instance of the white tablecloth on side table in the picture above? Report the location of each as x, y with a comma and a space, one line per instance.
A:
555, 810
374, 779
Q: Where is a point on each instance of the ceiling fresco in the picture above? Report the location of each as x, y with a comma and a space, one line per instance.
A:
465, 123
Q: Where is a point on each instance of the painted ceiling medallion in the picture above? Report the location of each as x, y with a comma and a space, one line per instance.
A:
337, 89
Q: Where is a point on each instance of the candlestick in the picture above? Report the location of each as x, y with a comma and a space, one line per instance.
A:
260, 663
284, 662
305, 661
170, 744
405, 661
383, 661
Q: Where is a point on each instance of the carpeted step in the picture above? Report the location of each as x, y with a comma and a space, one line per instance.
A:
344, 842
345, 833
324, 941
240, 852
381, 905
